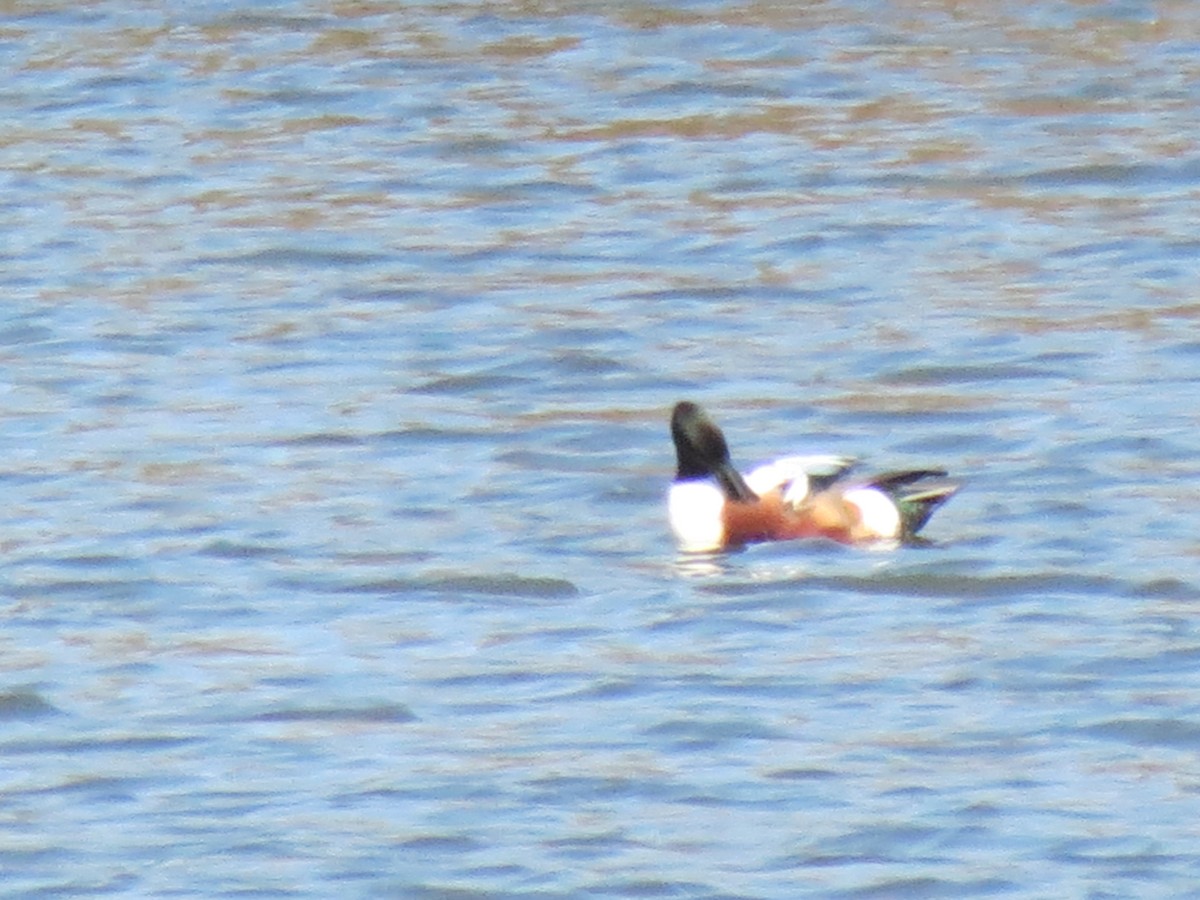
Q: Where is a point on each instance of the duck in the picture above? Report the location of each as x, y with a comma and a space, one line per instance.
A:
713, 507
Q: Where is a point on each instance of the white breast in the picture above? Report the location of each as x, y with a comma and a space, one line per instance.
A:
694, 509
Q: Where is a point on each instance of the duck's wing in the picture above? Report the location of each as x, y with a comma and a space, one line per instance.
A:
798, 477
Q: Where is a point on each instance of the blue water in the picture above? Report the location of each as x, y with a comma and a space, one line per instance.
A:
337, 349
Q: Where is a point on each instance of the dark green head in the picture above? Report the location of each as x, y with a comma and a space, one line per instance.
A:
701, 452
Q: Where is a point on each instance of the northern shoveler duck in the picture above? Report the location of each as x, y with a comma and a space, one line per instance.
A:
713, 507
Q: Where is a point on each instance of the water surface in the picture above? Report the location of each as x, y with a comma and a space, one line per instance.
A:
338, 347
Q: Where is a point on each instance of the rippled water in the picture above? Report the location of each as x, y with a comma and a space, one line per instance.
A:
338, 345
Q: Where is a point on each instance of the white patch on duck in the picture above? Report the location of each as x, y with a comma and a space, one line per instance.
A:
879, 512
694, 510
792, 473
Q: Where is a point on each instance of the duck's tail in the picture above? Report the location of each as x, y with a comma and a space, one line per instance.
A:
917, 493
